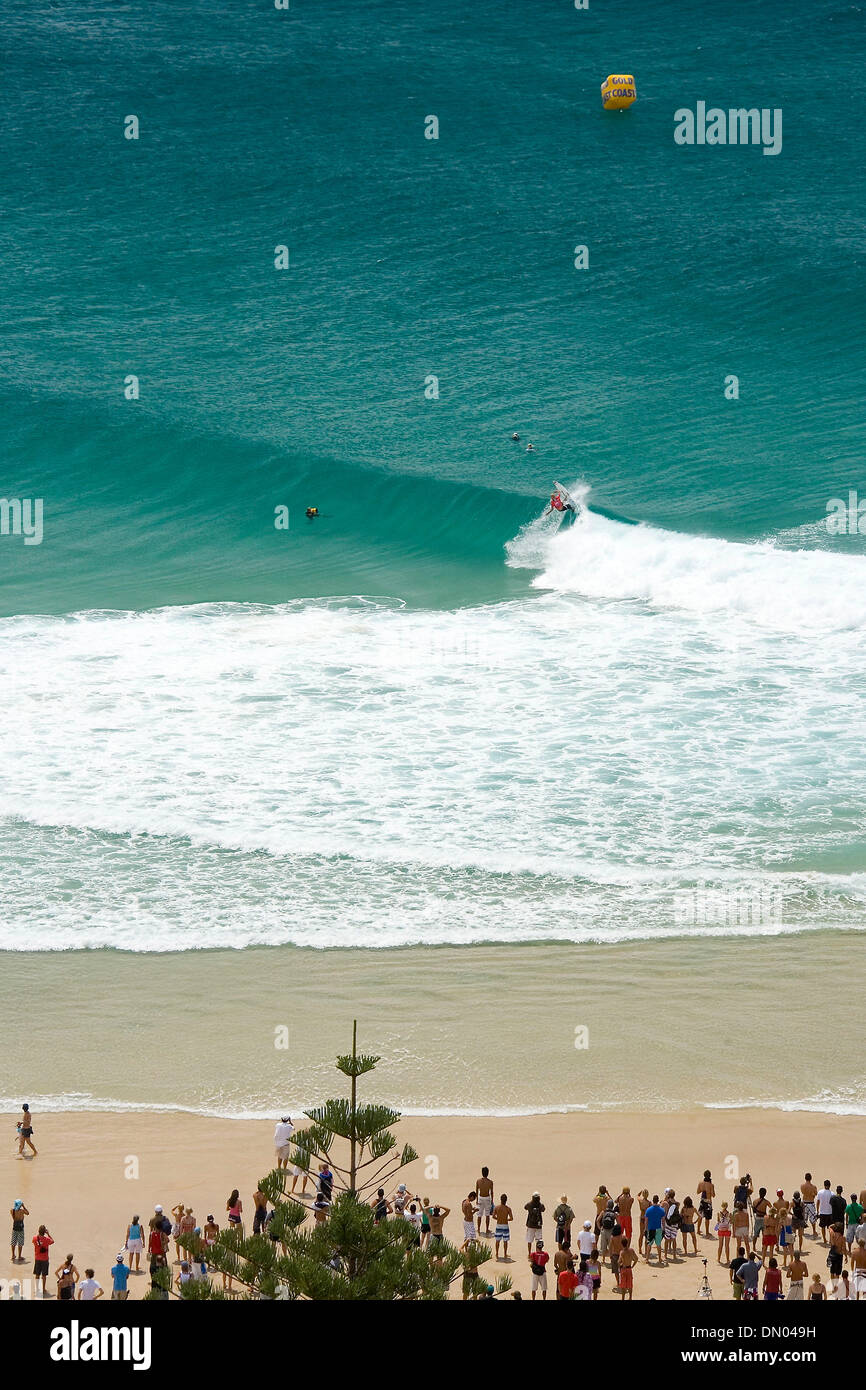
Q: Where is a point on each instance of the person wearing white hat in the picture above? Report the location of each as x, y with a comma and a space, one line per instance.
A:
586, 1240
283, 1140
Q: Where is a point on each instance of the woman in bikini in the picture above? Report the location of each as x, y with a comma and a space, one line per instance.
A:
723, 1231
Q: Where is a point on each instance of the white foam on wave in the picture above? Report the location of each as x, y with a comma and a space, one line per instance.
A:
789, 590
352, 773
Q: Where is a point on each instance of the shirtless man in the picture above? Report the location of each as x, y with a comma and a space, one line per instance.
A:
469, 1210
797, 1272
260, 1204
601, 1199
25, 1131
624, 1204
706, 1192
627, 1262
810, 1192
858, 1265
503, 1216
437, 1221
484, 1189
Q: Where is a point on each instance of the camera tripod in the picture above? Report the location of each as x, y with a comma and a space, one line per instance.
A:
705, 1291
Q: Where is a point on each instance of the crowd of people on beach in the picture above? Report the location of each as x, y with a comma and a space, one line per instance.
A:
758, 1238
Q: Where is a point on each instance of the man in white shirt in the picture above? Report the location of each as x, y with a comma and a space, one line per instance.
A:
283, 1140
825, 1209
586, 1239
88, 1289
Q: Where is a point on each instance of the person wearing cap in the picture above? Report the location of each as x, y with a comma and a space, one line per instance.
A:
283, 1141
18, 1212
119, 1279
586, 1240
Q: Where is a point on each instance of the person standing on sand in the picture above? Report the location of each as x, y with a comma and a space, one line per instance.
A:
853, 1217
503, 1216
809, 1192
135, 1241
437, 1221
798, 1220
260, 1214
748, 1275
688, 1223
538, 1259
563, 1216
836, 1256
566, 1283
706, 1192
825, 1210
25, 1131
283, 1142
88, 1289
797, 1272
484, 1188
817, 1292
735, 1264
601, 1199
760, 1207
858, 1265
469, 1210
42, 1242
627, 1262
740, 1227
624, 1204
643, 1201
769, 1235
119, 1279
655, 1215
844, 1291
67, 1277
723, 1231
18, 1213
534, 1209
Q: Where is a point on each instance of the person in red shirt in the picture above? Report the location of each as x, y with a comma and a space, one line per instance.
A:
538, 1264
42, 1243
773, 1282
567, 1282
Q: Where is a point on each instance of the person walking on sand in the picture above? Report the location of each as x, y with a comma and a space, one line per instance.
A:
18, 1212
797, 1272
627, 1262
705, 1192
534, 1209
135, 1242
42, 1242
809, 1193
283, 1142
484, 1188
25, 1131
503, 1216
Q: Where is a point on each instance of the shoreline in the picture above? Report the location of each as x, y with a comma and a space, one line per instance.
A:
134, 1160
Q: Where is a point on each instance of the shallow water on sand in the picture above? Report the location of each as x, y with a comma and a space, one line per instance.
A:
671, 1026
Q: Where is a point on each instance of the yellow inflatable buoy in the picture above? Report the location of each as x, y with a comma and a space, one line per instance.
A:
617, 92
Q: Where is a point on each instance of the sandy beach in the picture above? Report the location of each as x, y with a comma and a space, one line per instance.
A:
80, 1184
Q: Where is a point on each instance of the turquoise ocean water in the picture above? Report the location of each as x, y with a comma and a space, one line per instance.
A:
426, 718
